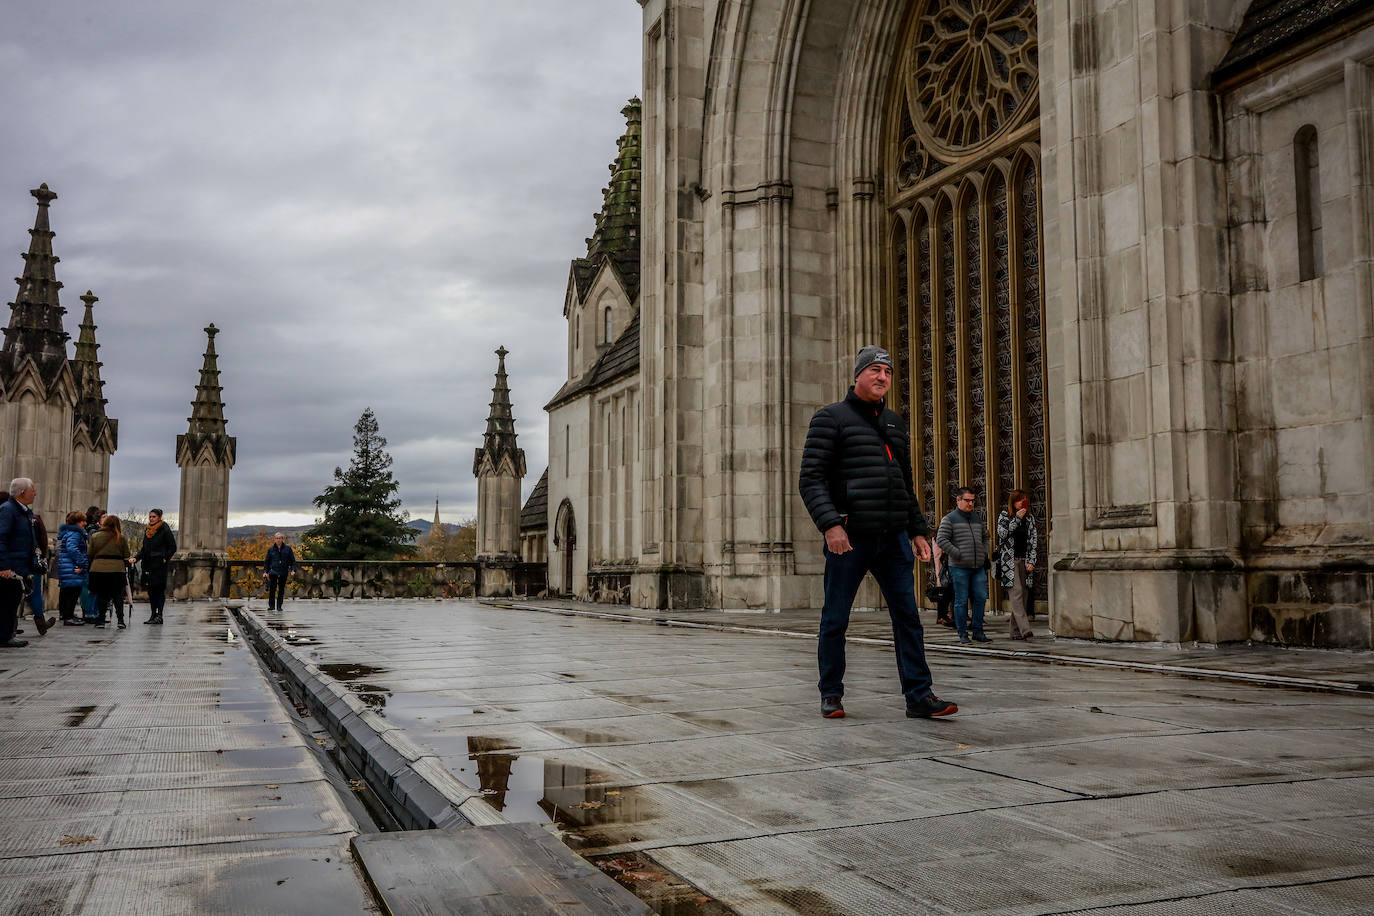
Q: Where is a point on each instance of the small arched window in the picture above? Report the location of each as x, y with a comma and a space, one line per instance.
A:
577, 333
606, 326
1307, 183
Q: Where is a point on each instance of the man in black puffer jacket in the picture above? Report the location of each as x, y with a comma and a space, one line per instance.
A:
856, 483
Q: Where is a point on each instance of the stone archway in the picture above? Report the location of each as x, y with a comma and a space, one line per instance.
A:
963, 252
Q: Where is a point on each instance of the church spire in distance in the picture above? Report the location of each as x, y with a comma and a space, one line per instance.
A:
35, 328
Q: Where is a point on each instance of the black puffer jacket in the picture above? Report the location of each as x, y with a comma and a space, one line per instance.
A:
857, 463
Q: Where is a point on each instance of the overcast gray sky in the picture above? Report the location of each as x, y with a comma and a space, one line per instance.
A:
367, 198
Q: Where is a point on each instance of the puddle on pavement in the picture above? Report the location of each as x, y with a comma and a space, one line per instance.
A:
352, 671
284, 626
539, 790
374, 696
78, 714
585, 736
664, 891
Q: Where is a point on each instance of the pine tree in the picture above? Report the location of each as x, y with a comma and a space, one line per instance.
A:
362, 517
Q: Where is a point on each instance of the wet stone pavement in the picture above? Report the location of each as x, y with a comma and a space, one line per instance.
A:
154, 770
1056, 789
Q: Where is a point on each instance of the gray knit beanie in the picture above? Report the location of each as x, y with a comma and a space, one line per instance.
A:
870, 355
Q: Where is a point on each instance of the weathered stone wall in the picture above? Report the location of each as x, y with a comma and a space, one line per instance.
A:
1304, 338
1146, 522
498, 516
90, 479
672, 358
203, 510
36, 442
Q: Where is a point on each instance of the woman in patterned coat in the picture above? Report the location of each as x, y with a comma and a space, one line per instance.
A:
1017, 553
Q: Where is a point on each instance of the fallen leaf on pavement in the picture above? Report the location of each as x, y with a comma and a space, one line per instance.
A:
588, 804
75, 840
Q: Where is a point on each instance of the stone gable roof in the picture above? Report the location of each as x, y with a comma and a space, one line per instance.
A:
1274, 31
618, 360
535, 514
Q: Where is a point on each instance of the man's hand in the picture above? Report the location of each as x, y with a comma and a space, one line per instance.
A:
922, 548
7, 573
837, 539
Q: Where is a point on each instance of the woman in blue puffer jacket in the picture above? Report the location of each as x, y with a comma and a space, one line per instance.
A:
72, 567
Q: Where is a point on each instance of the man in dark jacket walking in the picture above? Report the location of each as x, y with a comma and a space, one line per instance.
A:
280, 562
16, 557
963, 536
856, 483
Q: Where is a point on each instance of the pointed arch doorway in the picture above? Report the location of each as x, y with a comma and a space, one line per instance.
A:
565, 540
963, 254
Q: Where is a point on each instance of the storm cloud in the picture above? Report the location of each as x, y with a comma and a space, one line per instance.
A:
368, 199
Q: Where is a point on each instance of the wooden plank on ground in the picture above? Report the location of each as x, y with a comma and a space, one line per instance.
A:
507, 869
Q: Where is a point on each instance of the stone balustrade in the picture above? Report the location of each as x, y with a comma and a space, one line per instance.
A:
212, 576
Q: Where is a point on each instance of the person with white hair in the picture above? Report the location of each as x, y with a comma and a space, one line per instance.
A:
16, 557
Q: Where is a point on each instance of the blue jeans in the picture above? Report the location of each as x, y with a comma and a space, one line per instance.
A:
890, 559
970, 595
36, 597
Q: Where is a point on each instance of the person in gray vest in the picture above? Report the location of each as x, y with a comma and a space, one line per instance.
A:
963, 536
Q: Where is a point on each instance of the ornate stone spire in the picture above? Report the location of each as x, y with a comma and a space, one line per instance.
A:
498, 466
207, 427
617, 225
499, 441
89, 417
35, 330
205, 453
437, 523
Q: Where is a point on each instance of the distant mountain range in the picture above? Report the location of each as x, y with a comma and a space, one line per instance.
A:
293, 533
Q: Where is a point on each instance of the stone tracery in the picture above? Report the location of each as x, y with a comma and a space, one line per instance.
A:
966, 300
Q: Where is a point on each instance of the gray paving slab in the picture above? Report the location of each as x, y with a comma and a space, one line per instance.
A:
153, 770
1350, 667
1056, 789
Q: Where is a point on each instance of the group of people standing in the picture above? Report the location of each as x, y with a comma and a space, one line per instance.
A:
963, 561
93, 562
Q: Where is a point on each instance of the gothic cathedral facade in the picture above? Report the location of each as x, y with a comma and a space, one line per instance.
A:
1121, 250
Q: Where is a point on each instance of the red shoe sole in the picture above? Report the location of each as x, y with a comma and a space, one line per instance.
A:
949, 710
837, 714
